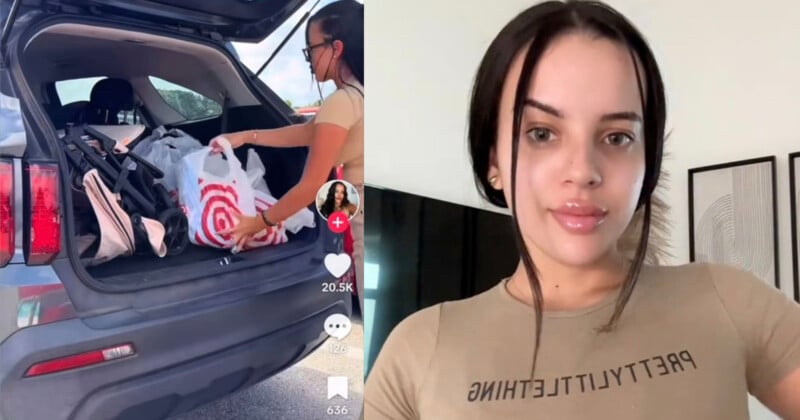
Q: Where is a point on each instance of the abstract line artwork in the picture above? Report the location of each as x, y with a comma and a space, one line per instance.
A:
794, 200
732, 216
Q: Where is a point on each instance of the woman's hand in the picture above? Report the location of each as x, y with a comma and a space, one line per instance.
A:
244, 231
235, 139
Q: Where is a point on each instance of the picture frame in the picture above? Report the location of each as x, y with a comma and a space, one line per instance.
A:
794, 201
733, 216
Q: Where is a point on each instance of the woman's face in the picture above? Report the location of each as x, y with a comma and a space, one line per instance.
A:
339, 194
581, 150
324, 55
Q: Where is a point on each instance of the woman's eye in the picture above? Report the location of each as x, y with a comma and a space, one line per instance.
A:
618, 139
540, 134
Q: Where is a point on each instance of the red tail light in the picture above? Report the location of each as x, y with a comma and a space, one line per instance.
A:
44, 236
81, 360
7, 226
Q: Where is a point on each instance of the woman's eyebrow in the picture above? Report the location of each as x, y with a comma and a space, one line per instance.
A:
623, 115
544, 107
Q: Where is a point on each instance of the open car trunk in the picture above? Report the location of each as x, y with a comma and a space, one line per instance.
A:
147, 269
235, 20
68, 51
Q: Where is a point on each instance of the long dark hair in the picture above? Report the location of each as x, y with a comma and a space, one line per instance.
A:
343, 20
538, 27
330, 201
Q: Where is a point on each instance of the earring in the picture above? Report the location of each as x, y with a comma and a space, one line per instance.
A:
493, 181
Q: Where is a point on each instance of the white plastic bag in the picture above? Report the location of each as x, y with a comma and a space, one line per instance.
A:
264, 198
256, 171
165, 149
211, 187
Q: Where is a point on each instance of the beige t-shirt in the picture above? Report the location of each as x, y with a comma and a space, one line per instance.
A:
345, 108
693, 340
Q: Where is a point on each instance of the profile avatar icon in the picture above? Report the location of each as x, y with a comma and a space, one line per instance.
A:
338, 197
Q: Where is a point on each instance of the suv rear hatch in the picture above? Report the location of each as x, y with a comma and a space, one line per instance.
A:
233, 20
193, 276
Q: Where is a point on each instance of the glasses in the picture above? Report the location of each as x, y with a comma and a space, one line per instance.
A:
307, 50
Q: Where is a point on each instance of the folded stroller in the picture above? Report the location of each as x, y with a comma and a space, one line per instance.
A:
134, 212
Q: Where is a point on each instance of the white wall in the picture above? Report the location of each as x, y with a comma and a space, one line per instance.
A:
731, 69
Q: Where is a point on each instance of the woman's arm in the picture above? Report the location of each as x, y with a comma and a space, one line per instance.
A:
768, 323
296, 135
784, 398
326, 145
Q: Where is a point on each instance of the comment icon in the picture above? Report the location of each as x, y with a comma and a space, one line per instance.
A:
338, 325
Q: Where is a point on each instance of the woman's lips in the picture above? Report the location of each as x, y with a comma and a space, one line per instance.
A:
579, 218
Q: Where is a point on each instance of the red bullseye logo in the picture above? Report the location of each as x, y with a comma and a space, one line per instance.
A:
338, 222
220, 201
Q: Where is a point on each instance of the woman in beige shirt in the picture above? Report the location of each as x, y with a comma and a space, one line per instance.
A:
335, 50
566, 130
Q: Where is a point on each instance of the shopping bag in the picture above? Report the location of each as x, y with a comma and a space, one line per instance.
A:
213, 187
165, 149
264, 198
255, 172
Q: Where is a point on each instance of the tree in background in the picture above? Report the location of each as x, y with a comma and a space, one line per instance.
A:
191, 105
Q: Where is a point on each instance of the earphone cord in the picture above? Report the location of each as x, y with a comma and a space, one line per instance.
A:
319, 89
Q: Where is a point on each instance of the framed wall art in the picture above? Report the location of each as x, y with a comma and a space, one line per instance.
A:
732, 216
794, 211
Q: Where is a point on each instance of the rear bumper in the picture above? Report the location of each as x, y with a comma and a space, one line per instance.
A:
180, 362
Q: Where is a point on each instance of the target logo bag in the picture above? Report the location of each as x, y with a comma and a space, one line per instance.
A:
212, 187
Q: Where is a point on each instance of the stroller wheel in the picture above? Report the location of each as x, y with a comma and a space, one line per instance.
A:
77, 181
177, 230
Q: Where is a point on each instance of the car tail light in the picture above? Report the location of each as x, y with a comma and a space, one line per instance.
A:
81, 360
44, 235
7, 222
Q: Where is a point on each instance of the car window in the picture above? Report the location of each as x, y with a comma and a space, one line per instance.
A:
190, 104
76, 90
288, 75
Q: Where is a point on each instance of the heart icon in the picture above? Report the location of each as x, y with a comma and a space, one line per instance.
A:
337, 264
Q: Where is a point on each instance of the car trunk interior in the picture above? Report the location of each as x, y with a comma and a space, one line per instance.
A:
70, 51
